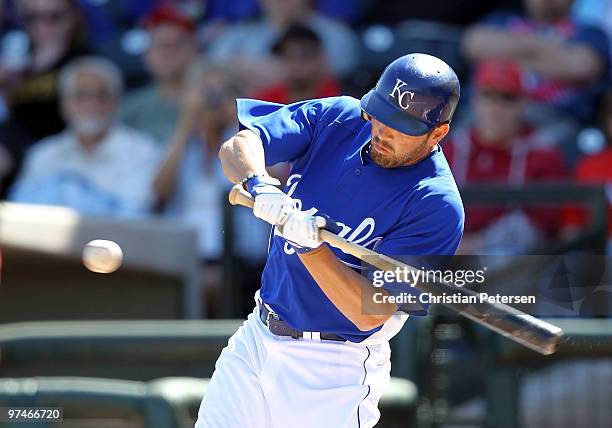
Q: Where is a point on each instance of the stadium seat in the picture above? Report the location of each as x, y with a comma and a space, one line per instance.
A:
91, 402
135, 350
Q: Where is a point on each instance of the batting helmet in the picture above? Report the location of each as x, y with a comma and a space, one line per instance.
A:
415, 93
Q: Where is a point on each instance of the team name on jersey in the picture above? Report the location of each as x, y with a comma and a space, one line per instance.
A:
362, 234
403, 97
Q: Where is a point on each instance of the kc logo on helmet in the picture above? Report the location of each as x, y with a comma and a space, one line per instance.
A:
403, 97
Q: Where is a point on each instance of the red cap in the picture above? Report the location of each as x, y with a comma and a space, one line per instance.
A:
167, 15
499, 75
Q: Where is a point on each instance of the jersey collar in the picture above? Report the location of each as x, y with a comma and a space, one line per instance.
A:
364, 153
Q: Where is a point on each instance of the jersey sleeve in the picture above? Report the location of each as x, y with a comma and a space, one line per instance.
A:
285, 130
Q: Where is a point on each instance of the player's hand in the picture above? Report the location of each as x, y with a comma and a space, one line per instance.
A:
302, 230
271, 204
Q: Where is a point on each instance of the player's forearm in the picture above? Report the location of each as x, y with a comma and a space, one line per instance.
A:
351, 293
242, 155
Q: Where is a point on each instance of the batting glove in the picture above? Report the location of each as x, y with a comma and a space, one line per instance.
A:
302, 230
271, 204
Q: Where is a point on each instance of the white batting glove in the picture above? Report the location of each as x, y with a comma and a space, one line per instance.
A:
271, 204
302, 230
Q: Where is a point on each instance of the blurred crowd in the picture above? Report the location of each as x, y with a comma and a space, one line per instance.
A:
118, 108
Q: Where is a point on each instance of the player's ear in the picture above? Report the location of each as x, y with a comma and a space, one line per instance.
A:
436, 134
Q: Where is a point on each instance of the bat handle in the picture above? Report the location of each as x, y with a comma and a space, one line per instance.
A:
239, 196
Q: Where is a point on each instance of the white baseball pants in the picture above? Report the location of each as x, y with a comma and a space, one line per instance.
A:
266, 381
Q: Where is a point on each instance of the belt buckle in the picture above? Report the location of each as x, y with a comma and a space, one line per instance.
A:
273, 315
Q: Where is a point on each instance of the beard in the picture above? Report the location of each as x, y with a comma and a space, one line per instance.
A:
394, 160
88, 125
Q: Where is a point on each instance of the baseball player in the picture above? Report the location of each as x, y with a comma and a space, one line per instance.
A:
309, 356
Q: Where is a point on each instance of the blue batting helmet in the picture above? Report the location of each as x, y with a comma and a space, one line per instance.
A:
415, 93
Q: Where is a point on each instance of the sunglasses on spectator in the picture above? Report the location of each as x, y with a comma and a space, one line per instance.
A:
505, 97
53, 17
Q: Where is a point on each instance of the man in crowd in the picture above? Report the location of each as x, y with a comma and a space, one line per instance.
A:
594, 169
247, 46
191, 186
55, 36
95, 166
305, 67
154, 109
499, 147
565, 63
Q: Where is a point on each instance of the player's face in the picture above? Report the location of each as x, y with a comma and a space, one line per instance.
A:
391, 148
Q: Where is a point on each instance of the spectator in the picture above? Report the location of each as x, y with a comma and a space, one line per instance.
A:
95, 166
565, 62
594, 169
305, 67
190, 181
501, 148
154, 109
247, 46
56, 36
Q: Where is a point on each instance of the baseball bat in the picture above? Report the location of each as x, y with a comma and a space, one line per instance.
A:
510, 322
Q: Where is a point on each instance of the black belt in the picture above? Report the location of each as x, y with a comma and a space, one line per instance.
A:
278, 327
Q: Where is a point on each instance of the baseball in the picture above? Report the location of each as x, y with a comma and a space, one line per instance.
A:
102, 256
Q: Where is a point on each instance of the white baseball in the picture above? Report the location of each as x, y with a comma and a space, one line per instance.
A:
102, 256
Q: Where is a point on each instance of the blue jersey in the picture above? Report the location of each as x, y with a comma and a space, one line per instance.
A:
413, 210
